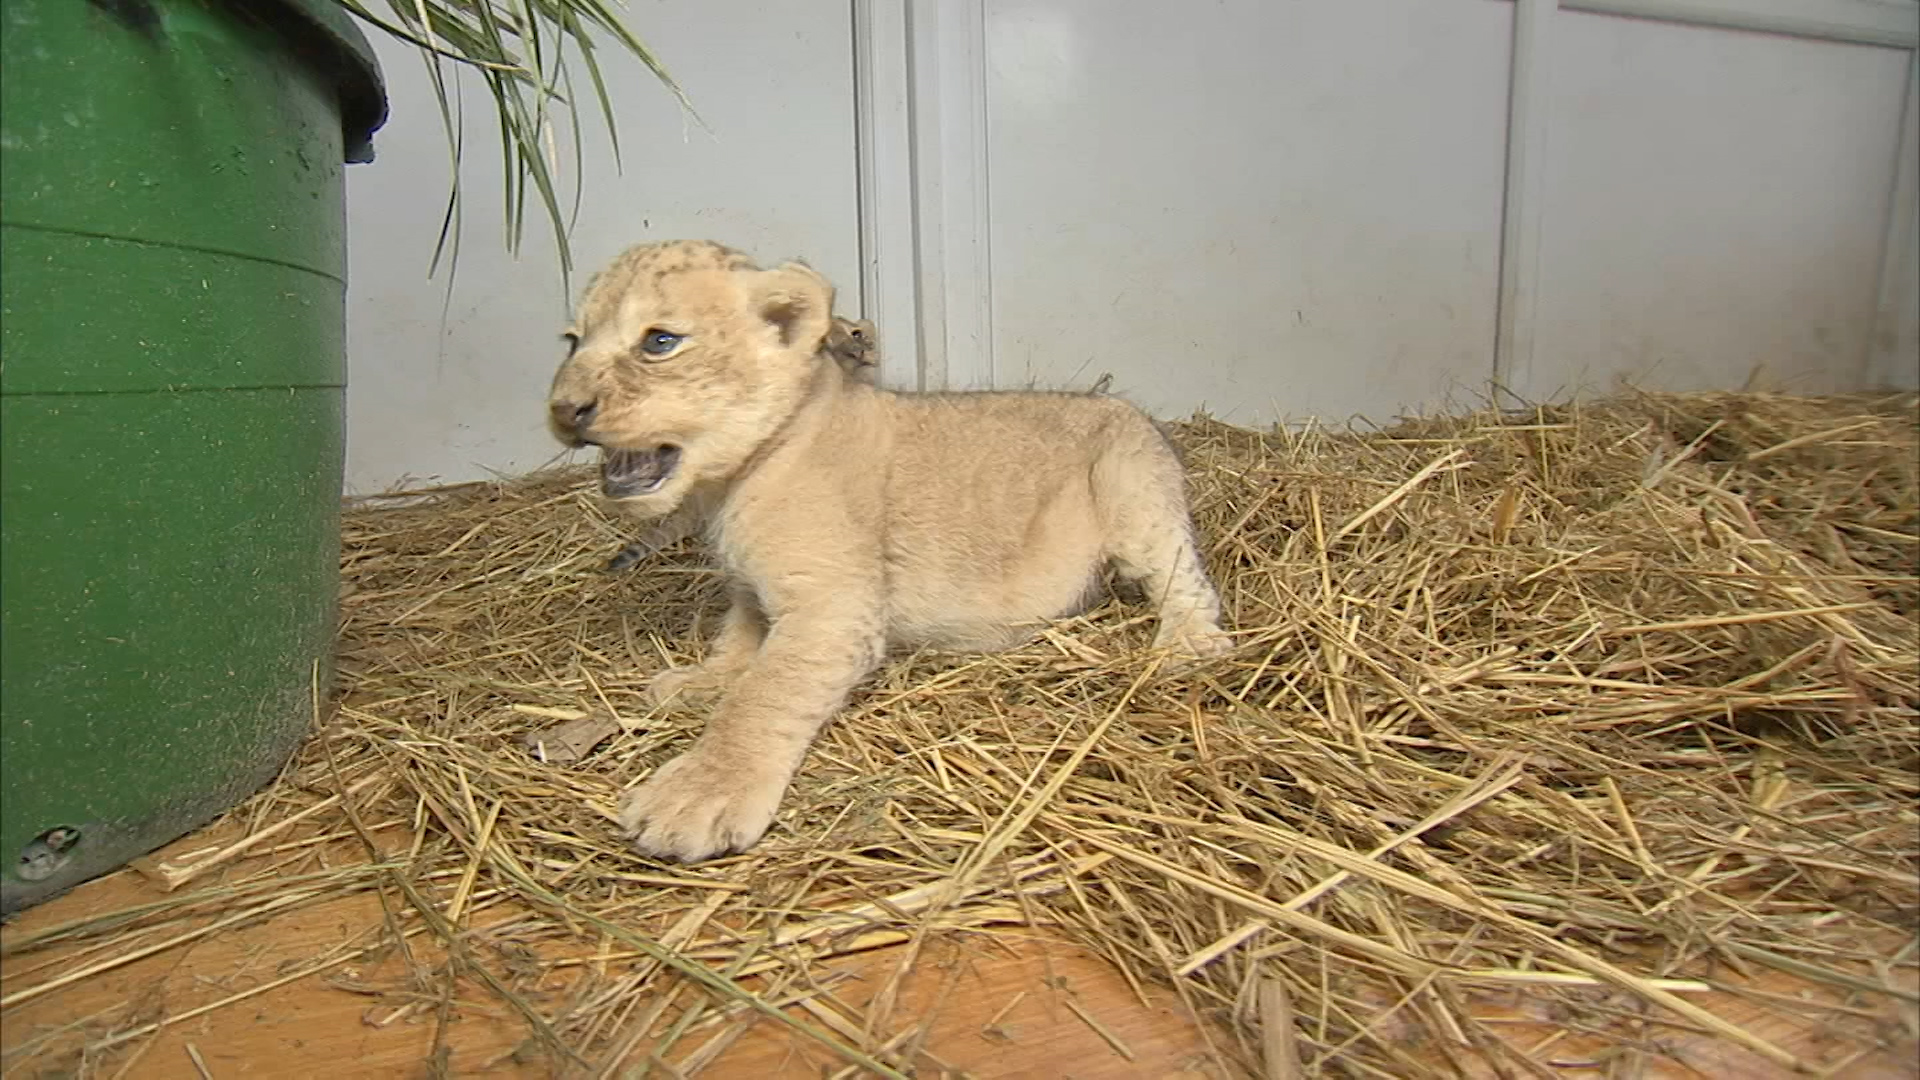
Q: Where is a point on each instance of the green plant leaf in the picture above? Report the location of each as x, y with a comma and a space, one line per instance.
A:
523, 51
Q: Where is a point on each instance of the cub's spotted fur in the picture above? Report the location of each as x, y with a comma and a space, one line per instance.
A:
849, 519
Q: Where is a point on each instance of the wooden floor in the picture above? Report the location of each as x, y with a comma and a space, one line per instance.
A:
1019, 1004
1016, 1006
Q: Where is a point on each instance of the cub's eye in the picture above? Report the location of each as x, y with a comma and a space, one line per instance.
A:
659, 343
573, 343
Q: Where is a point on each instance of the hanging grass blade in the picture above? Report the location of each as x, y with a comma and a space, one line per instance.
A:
599, 88
612, 24
520, 48
417, 39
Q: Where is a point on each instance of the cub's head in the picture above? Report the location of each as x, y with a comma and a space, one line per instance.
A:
685, 358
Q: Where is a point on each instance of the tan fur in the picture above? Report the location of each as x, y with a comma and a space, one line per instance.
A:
851, 343
850, 519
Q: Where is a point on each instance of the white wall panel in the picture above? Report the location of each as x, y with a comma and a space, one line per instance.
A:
1715, 201
1271, 210
1266, 209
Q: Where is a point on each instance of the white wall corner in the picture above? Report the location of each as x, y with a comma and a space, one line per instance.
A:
1528, 104
883, 143
1894, 354
948, 114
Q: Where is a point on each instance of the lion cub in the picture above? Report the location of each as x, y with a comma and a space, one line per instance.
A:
850, 342
849, 519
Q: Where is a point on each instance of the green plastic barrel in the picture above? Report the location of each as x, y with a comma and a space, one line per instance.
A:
172, 374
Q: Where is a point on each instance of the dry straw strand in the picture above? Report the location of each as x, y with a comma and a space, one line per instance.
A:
1603, 704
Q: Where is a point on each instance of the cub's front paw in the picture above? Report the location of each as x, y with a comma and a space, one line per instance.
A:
695, 808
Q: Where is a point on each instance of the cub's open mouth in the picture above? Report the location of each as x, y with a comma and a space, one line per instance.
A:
625, 474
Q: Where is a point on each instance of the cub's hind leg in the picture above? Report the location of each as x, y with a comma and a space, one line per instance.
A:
1140, 495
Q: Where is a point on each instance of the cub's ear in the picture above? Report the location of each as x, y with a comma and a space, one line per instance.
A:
797, 301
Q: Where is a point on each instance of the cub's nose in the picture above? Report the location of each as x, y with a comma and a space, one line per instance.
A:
569, 417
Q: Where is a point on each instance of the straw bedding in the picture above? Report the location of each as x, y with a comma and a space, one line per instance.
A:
1593, 706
